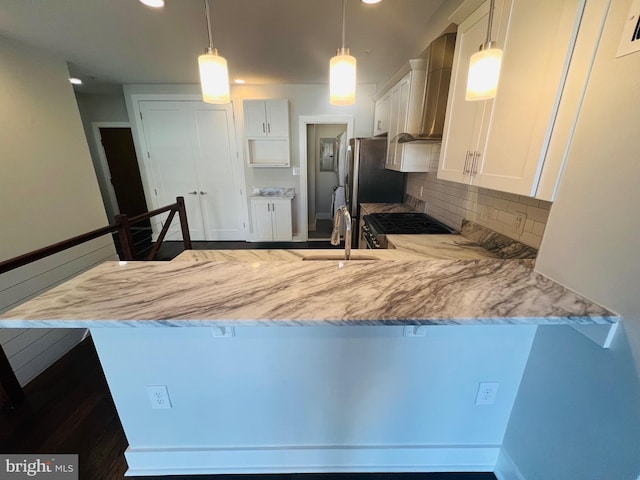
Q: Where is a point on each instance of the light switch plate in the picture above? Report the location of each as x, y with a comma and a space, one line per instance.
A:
630, 40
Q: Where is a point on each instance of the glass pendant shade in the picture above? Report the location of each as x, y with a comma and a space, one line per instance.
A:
484, 73
214, 77
342, 78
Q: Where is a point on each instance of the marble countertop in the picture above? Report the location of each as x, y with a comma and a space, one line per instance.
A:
370, 208
273, 192
268, 255
438, 246
430, 292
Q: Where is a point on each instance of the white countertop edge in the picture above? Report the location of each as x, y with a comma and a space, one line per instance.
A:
18, 323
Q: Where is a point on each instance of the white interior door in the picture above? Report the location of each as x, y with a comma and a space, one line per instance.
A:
168, 133
218, 171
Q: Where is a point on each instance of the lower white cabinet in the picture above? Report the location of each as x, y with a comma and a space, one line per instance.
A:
271, 219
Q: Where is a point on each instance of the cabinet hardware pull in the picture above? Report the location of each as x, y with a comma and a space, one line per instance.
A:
476, 155
465, 170
268, 128
268, 207
203, 193
263, 130
193, 193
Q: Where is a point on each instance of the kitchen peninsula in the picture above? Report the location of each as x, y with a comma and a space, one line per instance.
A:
381, 373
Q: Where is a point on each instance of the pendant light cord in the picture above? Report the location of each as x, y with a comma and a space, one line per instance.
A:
344, 21
206, 10
490, 23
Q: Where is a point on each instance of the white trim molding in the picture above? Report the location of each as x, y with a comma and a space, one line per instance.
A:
505, 468
286, 459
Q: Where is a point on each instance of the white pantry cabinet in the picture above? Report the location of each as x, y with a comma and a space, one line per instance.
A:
503, 143
189, 151
271, 219
405, 115
266, 125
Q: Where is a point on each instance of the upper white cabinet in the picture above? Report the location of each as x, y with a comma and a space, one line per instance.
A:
266, 124
381, 115
504, 143
406, 99
266, 118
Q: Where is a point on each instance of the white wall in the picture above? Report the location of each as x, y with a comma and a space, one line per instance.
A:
367, 393
580, 402
49, 193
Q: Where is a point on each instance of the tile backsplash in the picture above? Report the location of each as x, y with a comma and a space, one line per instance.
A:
451, 202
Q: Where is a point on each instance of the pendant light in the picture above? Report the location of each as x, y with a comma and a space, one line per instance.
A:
484, 67
214, 75
342, 71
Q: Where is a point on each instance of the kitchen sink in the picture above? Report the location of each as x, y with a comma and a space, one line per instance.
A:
340, 257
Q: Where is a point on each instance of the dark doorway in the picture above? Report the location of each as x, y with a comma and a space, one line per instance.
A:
121, 157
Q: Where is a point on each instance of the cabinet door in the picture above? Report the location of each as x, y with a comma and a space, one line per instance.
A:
261, 218
277, 118
529, 93
281, 218
463, 122
381, 115
219, 176
255, 118
401, 125
167, 136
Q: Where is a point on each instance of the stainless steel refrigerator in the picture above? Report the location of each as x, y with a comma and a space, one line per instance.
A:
367, 181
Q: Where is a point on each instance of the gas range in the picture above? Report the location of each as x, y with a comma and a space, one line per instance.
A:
378, 225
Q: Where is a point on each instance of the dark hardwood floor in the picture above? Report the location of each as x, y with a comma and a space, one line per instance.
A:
68, 409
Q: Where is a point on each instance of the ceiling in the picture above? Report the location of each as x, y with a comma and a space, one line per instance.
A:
114, 42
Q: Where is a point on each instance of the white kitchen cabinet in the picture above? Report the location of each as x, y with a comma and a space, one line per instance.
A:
266, 124
266, 118
381, 115
272, 219
406, 99
503, 143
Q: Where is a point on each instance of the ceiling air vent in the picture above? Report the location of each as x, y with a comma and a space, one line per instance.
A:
630, 41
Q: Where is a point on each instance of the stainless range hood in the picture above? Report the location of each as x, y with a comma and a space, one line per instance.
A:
436, 92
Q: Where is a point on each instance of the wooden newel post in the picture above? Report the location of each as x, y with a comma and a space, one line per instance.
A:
126, 239
184, 226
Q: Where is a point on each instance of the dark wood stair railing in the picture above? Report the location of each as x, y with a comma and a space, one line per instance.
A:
11, 393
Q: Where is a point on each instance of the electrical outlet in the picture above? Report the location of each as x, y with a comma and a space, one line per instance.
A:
487, 392
158, 396
518, 223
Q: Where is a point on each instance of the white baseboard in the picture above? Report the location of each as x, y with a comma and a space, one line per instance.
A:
203, 461
505, 468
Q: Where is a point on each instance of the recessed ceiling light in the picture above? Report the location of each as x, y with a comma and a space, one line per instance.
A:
153, 3
75, 81
370, 2
239, 81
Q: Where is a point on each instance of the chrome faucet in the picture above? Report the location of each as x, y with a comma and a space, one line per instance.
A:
335, 234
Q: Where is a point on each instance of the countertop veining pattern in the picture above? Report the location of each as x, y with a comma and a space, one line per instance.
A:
439, 246
370, 208
434, 292
268, 255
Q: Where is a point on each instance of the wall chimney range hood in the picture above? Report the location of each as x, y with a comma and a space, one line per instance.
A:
436, 92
